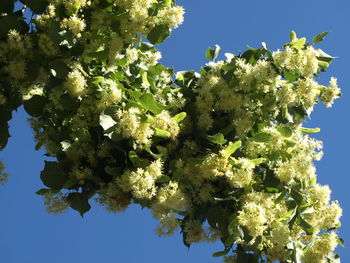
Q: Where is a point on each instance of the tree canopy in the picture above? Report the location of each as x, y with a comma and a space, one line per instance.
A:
221, 154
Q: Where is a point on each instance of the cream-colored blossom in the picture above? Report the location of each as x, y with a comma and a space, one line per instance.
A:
329, 216
194, 231
131, 127
173, 17
55, 203
320, 248
168, 224
319, 195
112, 94
242, 175
75, 83
280, 234
75, 24
17, 69
164, 121
172, 197
113, 199
141, 182
329, 94
253, 218
73, 6
46, 45
304, 61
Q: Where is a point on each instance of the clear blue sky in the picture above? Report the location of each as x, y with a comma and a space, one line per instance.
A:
28, 234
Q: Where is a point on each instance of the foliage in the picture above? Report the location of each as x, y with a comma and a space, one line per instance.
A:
222, 154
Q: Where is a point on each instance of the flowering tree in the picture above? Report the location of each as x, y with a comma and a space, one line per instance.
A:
221, 154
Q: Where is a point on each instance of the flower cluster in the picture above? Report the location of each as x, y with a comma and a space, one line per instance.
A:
220, 154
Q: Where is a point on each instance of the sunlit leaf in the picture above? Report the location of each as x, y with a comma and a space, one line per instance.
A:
319, 37
213, 53
158, 34
217, 138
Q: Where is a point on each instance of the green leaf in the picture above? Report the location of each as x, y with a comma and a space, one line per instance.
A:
333, 257
313, 181
297, 196
35, 105
285, 131
292, 36
163, 179
319, 37
167, 3
340, 241
291, 75
147, 119
300, 43
5, 113
115, 136
53, 175
262, 137
179, 117
309, 130
106, 121
158, 34
69, 103
12, 22
230, 149
217, 138
272, 190
79, 202
290, 143
161, 133
178, 174
100, 55
220, 253
154, 155
144, 46
7, 6
37, 6
309, 230
115, 171
4, 135
33, 70
149, 103
247, 257
235, 229
288, 216
96, 80
145, 81
213, 53
72, 181
134, 94
43, 191
323, 64
323, 56
134, 158
59, 69
216, 217
258, 161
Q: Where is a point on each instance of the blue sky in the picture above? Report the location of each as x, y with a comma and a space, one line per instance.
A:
29, 234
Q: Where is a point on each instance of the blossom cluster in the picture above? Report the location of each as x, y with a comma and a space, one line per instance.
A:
221, 154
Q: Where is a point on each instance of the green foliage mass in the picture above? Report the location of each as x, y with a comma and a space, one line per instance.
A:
220, 153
